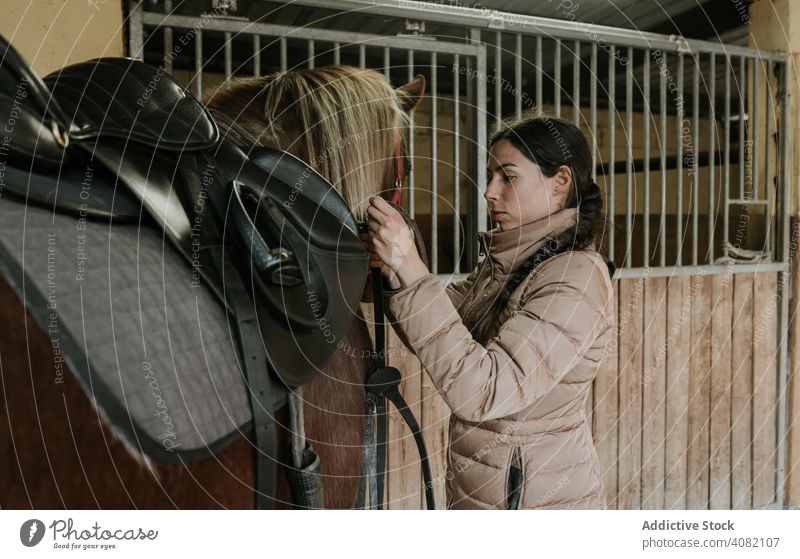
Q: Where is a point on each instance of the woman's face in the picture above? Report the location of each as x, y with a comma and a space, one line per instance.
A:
517, 192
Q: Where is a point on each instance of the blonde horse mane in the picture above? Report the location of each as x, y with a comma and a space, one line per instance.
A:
343, 121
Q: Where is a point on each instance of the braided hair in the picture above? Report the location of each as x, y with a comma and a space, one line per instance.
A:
550, 143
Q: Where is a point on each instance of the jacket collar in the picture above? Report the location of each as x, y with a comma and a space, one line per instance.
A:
508, 249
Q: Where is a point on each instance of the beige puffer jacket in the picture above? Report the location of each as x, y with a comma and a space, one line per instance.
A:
520, 400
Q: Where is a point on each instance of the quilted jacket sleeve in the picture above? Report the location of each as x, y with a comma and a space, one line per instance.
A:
458, 290
567, 307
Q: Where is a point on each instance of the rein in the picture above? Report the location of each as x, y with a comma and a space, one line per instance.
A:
382, 385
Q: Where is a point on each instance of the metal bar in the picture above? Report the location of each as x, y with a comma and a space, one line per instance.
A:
726, 171
576, 84
612, 125
539, 75
481, 18
742, 89
498, 74
712, 138
362, 56
785, 279
518, 76
753, 128
168, 54
456, 168
688, 270
629, 159
311, 54
284, 55
672, 271
136, 23
646, 141
748, 202
410, 69
387, 63
309, 33
769, 111
256, 55
434, 170
679, 236
480, 133
662, 236
557, 78
337, 52
593, 103
198, 63
695, 162
228, 57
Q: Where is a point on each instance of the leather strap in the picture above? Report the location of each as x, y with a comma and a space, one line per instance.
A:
383, 383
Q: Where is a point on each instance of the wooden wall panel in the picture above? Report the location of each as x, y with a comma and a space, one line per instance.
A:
683, 406
742, 393
606, 411
679, 335
654, 382
629, 424
764, 388
720, 404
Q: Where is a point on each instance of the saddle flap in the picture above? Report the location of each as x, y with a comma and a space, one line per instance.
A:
127, 99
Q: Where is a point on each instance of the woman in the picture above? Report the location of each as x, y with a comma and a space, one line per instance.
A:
513, 349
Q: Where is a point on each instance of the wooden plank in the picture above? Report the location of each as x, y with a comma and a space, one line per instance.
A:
654, 392
404, 476
606, 405
434, 422
630, 393
764, 387
741, 393
720, 403
679, 335
793, 433
699, 394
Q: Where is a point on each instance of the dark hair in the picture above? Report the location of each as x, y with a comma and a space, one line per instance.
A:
550, 143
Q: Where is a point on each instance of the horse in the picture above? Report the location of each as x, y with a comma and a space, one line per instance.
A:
59, 452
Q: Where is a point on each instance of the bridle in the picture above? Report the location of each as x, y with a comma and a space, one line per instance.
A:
382, 384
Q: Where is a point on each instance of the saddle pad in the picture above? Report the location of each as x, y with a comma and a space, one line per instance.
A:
164, 375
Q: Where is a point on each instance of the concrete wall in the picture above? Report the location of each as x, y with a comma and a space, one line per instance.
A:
53, 33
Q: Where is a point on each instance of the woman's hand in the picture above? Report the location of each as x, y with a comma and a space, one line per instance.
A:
376, 262
393, 242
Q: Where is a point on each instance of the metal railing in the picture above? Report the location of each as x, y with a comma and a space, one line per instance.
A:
689, 137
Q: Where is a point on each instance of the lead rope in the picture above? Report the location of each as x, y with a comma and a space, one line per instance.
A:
383, 384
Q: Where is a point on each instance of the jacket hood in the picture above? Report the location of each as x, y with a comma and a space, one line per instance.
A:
508, 249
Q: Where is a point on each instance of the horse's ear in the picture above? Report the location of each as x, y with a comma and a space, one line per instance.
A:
411, 93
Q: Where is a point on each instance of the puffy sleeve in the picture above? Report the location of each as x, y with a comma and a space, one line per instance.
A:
458, 290
566, 308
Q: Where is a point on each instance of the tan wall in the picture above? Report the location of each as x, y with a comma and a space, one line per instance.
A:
775, 25
53, 33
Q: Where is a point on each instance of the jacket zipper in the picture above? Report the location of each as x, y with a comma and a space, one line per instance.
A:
515, 481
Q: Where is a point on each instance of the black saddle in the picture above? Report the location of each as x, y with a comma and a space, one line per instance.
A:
267, 234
